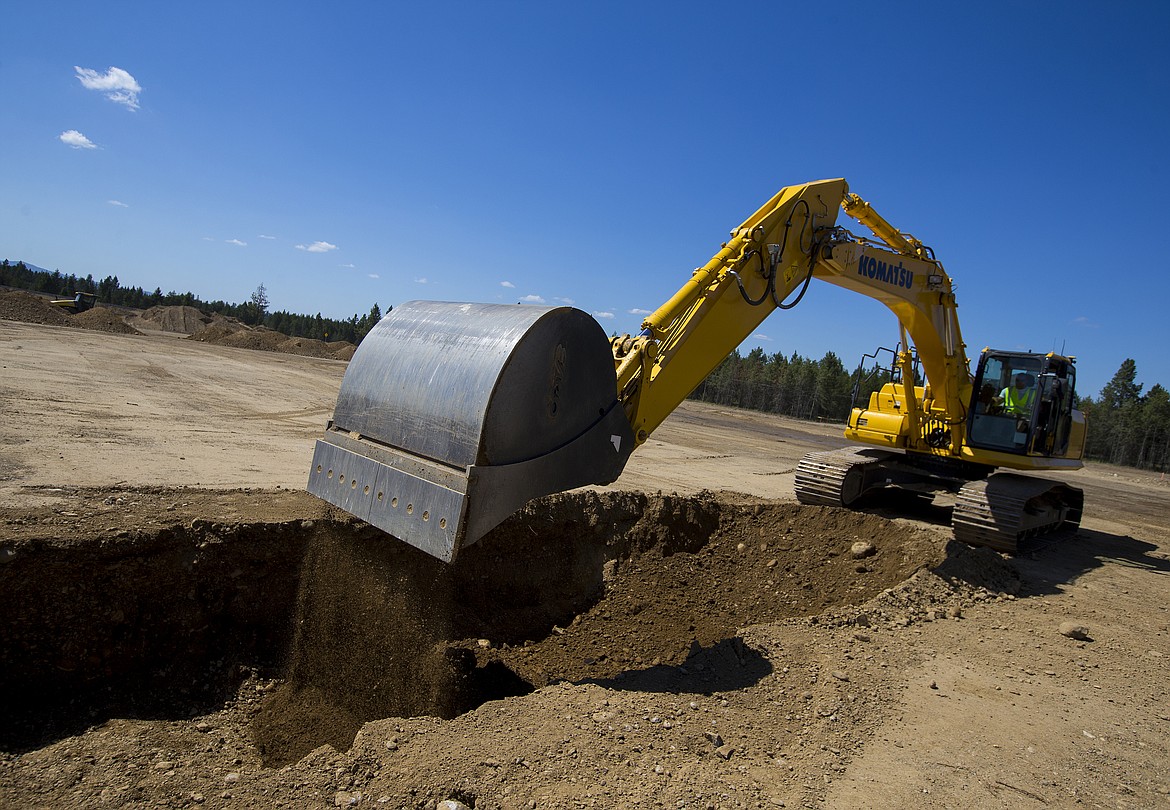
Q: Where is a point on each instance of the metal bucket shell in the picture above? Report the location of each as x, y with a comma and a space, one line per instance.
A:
451, 416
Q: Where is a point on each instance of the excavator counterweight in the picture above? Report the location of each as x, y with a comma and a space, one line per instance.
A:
452, 416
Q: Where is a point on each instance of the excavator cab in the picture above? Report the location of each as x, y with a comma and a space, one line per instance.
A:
1023, 403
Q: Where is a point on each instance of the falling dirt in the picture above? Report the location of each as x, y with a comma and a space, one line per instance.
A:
371, 622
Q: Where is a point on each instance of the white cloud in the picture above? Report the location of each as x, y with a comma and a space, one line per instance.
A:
72, 137
208, 239
349, 266
759, 336
1083, 321
266, 236
531, 299
422, 280
317, 247
507, 284
117, 203
606, 316
374, 275
236, 242
566, 301
117, 85
636, 311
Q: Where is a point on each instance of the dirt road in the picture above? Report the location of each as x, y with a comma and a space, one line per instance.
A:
183, 627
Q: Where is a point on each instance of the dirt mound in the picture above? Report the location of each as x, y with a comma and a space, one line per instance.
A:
217, 332
103, 319
17, 305
338, 350
262, 339
688, 651
256, 337
686, 574
614, 588
183, 320
600, 587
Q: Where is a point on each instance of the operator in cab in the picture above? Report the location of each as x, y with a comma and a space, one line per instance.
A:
1017, 399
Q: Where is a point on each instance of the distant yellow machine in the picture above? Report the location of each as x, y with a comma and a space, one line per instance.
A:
78, 303
451, 416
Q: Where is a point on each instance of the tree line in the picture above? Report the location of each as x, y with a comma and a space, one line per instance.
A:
253, 312
1126, 426
790, 385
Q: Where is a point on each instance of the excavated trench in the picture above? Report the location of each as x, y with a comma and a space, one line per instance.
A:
628, 590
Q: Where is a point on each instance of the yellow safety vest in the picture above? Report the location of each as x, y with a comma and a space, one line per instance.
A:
1017, 401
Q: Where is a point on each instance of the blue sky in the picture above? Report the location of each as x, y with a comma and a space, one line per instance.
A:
348, 153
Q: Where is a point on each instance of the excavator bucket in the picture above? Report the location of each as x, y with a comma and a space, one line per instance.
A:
452, 416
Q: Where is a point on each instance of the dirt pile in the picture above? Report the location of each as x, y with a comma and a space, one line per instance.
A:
687, 573
183, 320
614, 588
17, 305
103, 319
231, 333
181, 648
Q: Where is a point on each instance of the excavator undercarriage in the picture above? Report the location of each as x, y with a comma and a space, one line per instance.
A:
998, 510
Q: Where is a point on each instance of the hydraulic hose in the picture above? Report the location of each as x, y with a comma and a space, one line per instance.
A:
768, 268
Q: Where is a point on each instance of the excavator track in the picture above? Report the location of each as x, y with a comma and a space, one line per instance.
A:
998, 511
837, 477
1002, 510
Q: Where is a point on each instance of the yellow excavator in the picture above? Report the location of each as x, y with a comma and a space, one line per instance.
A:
452, 416
80, 302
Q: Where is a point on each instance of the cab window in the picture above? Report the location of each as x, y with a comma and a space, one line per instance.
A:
1006, 397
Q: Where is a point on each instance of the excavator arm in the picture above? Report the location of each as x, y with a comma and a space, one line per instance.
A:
451, 416
767, 264
725, 300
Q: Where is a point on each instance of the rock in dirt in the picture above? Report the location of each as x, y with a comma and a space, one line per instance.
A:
862, 549
1074, 631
